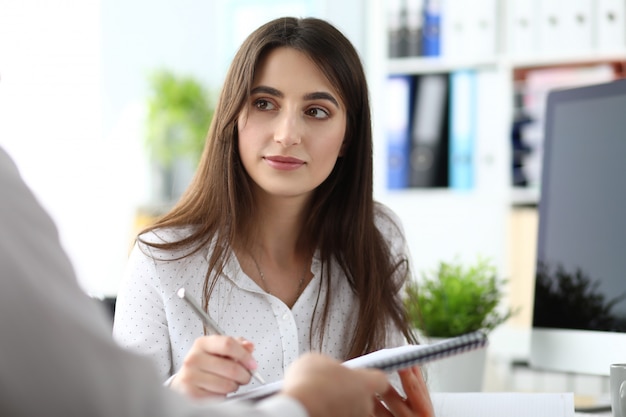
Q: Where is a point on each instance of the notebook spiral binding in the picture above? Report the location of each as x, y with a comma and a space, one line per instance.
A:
439, 350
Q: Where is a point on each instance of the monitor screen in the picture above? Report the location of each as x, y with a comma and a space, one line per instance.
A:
579, 315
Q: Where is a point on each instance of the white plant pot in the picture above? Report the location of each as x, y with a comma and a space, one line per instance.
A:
459, 373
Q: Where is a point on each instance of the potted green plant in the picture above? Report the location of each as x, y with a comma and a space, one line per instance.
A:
455, 299
180, 110
452, 300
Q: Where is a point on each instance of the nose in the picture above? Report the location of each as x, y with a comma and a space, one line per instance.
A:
288, 129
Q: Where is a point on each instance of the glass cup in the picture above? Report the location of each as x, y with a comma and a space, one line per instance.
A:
617, 382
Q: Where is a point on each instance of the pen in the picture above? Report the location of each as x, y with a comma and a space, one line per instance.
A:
208, 322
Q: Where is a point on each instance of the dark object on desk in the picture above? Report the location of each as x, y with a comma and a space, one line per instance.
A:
600, 408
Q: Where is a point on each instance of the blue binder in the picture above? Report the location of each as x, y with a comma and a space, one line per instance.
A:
398, 115
431, 28
462, 129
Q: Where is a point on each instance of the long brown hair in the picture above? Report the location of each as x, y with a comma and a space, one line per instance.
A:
219, 202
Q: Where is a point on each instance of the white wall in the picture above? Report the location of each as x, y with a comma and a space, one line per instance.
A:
51, 124
73, 83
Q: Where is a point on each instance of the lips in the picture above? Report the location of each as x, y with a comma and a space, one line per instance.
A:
285, 163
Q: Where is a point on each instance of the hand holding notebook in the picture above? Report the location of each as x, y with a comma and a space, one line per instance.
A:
391, 359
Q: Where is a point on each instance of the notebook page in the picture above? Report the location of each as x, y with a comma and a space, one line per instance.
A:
382, 356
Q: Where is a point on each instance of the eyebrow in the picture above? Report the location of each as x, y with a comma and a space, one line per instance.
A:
318, 95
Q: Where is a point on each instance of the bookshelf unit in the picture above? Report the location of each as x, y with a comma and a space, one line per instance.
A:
443, 223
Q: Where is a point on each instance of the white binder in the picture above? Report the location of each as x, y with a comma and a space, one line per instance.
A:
609, 26
565, 28
522, 29
454, 29
468, 29
491, 144
482, 29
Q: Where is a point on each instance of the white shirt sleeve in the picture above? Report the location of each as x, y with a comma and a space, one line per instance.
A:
140, 315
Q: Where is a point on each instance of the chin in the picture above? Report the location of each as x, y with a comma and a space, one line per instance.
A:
287, 191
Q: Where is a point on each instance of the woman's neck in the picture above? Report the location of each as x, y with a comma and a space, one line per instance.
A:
278, 234
276, 259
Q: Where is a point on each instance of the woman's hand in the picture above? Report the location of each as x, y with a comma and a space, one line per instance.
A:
215, 366
416, 403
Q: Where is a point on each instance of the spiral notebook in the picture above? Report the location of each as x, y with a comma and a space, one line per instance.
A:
391, 359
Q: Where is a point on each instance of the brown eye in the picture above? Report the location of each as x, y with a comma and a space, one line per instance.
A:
263, 104
318, 113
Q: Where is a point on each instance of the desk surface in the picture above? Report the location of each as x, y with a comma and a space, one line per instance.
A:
503, 404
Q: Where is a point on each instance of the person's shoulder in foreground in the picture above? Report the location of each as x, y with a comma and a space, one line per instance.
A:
58, 357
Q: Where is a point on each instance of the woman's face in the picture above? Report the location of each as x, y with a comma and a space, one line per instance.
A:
292, 129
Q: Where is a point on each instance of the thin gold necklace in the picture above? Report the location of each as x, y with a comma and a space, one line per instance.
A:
266, 288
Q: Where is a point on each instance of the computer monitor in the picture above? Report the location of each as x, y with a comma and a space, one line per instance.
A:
579, 315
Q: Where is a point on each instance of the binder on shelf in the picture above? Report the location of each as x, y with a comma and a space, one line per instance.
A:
522, 26
491, 145
431, 28
578, 25
550, 22
391, 359
456, 18
398, 116
414, 22
481, 36
396, 28
468, 29
609, 25
462, 129
565, 27
429, 133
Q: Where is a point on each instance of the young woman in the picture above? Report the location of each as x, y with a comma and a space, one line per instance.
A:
278, 233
